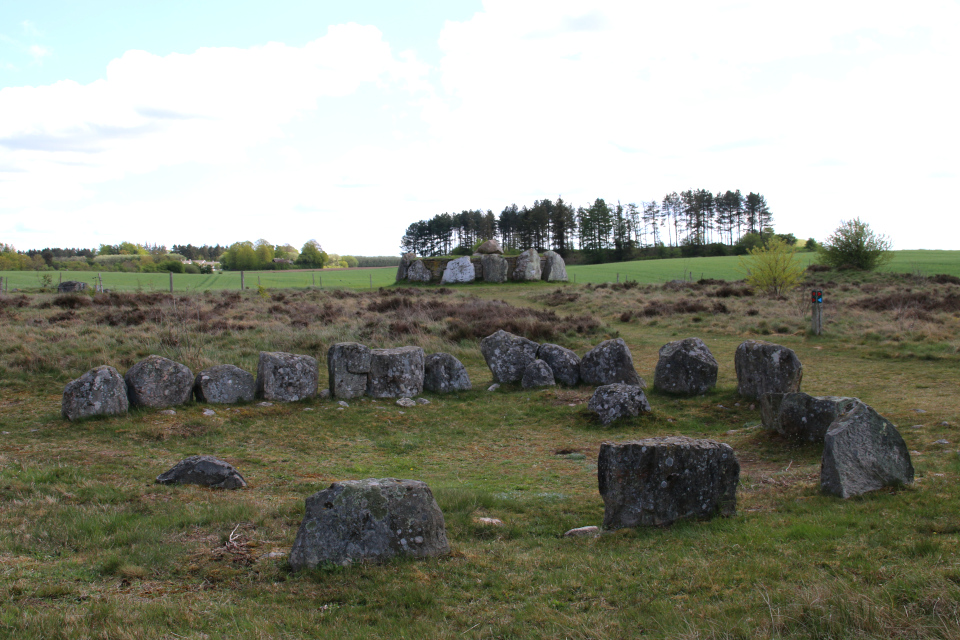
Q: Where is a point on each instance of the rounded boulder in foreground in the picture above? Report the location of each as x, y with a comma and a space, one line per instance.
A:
158, 382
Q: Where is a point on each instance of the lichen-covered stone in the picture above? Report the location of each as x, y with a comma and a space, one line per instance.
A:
508, 355
369, 520
614, 401
348, 364
770, 410
71, 286
537, 374
657, 481
528, 266
554, 268
99, 392
610, 362
764, 367
442, 373
224, 384
418, 272
158, 382
564, 363
205, 471
286, 377
459, 271
405, 261
396, 373
685, 367
807, 418
494, 268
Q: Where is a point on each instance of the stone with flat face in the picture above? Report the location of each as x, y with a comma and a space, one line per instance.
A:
418, 272
99, 392
286, 377
442, 373
685, 367
396, 373
494, 268
348, 364
528, 266
224, 384
459, 271
508, 355
807, 418
554, 268
610, 362
764, 367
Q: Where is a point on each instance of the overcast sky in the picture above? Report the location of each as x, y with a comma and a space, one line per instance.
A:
225, 120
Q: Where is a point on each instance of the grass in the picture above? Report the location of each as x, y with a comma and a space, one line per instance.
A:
93, 548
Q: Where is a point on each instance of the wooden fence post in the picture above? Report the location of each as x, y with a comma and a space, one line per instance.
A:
313, 278
241, 280
371, 281
171, 282
816, 312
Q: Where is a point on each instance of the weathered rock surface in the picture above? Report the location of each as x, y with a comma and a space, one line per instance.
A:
554, 268
206, 471
657, 481
459, 271
490, 247
537, 374
807, 418
396, 373
686, 367
583, 532
99, 392
418, 272
610, 362
862, 452
564, 363
770, 410
158, 382
405, 261
764, 367
224, 384
71, 286
494, 268
348, 364
508, 355
442, 373
528, 266
286, 377
369, 520
614, 401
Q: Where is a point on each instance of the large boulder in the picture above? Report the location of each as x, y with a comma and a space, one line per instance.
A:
286, 377
224, 384
205, 471
685, 367
459, 271
494, 268
158, 382
442, 373
863, 451
764, 367
554, 268
537, 374
418, 272
528, 266
71, 286
348, 364
610, 362
657, 481
369, 520
396, 373
490, 247
98, 392
807, 418
508, 355
405, 262
564, 363
614, 401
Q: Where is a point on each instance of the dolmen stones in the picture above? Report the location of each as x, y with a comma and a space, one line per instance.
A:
356, 370
158, 382
554, 268
614, 401
564, 363
405, 261
528, 266
508, 355
286, 377
763, 367
71, 286
494, 268
490, 247
99, 392
348, 365
443, 373
418, 272
863, 452
372, 519
396, 373
205, 471
609, 362
537, 374
685, 367
224, 384
657, 481
803, 417
459, 271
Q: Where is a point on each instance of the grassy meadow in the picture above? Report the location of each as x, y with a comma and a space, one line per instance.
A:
93, 548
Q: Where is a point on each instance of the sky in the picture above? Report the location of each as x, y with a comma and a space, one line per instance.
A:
216, 122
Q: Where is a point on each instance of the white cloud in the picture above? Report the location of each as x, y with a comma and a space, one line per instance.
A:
38, 53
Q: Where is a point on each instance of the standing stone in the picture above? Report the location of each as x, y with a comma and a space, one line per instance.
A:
418, 272
685, 367
508, 355
490, 247
614, 401
770, 410
442, 373
657, 481
610, 362
224, 384
863, 452
807, 418
405, 261
205, 471
554, 269
286, 377
764, 367
158, 382
71, 286
564, 363
537, 374
369, 520
458, 271
494, 268
98, 392
396, 373
348, 364
528, 266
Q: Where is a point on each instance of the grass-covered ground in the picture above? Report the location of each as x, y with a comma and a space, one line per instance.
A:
93, 548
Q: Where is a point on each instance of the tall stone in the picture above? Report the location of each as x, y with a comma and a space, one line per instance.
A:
396, 373
418, 272
508, 355
286, 377
442, 373
494, 268
686, 367
99, 392
763, 367
609, 362
405, 261
554, 268
158, 382
528, 266
224, 384
348, 364
459, 271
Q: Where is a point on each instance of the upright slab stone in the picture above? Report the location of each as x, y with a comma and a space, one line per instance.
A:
685, 367
862, 452
205, 471
369, 520
286, 377
158, 382
528, 266
348, 364
490, 247
405, 261
99, 392
614, 401
224, 384
610, 362
764, 367
396, 373
537, 374
564, 363
508, 355
459, 271
494, 268
657, 481
807, 418
418, 272
554, 268
442, 373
